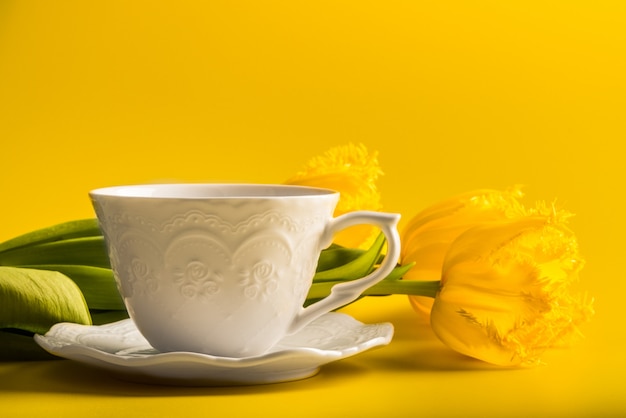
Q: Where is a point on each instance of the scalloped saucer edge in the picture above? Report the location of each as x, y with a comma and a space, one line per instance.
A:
118, 347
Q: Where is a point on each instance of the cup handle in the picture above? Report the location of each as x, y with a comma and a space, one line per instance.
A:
343, 293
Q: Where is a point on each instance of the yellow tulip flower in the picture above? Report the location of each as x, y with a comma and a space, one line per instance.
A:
506, 290
352, 171
428, 235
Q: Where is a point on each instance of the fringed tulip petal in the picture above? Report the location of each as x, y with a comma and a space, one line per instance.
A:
506, 290
352, 171
428, 235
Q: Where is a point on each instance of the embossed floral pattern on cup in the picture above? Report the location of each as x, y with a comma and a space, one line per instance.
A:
142, 266
260, 280
197, 280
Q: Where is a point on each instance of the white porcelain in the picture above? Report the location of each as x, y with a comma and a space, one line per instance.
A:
224, 269
120, 348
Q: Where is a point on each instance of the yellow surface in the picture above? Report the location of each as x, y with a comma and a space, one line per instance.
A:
453, 95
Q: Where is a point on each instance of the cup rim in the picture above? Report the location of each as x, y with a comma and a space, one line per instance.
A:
191, 191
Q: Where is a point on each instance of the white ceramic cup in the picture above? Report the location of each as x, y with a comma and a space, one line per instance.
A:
224, 269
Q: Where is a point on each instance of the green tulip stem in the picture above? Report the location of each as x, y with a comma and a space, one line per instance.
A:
383, 288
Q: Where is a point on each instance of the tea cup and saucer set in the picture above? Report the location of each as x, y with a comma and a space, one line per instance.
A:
214, 277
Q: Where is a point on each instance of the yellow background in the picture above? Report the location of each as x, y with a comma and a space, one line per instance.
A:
454, 95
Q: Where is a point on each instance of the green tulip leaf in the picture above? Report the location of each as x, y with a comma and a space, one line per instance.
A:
67, 230
356, 268
87, 251
337, 256
399, 271
34, 300
20, 346
97, 284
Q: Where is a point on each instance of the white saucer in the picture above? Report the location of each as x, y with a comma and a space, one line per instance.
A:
120, 348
